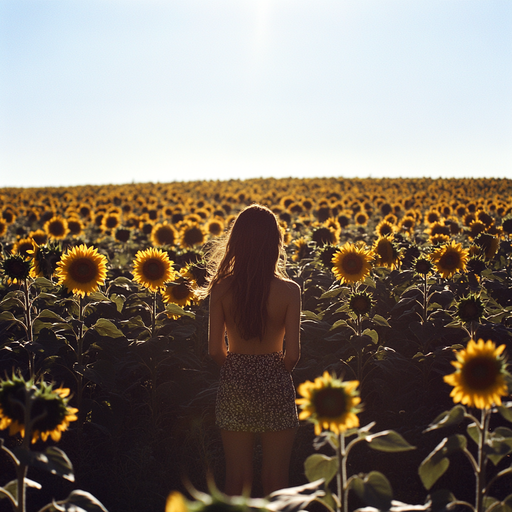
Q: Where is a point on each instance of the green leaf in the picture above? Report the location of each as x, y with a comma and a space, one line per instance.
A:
374, 335
380, 320
448, 418
499, 444
338, 323
11, 302
47, 315
388, 441
374, 489
7, 316
319, 466
105, 327
330, 294
174, 309
10, 489
436, 463
506, 411
310, 315
499, 506
53, 459
474, 433
80, 501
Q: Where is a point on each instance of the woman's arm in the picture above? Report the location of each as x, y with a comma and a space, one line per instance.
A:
292, 328
216, 328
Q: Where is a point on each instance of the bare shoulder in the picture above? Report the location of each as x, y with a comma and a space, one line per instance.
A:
287, 287
219, 289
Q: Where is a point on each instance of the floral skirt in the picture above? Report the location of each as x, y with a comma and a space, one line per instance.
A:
256, 394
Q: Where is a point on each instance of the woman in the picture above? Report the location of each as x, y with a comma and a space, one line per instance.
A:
258, 307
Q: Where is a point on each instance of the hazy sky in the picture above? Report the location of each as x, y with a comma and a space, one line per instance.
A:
115, 91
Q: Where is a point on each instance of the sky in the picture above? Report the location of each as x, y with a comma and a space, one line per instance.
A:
122, 91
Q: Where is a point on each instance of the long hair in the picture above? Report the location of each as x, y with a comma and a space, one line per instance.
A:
251, 254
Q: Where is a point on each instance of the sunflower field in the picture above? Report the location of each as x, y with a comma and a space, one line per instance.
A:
406, 294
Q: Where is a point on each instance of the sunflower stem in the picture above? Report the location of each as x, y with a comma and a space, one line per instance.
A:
79, 355
342, 474
482, 459
153, 318
425, 305
28, 326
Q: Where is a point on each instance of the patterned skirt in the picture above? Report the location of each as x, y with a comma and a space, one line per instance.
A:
256, 394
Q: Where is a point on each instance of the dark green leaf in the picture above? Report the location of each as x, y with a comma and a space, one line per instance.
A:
448, 418
319, 466
380, 320
105, 327
474, 433
174, 309
374, 489
79, 501
436, 463
338, 323
373, 334
499, 444
506, 410
388, 441
53, 459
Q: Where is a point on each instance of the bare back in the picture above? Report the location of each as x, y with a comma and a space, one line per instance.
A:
283, 321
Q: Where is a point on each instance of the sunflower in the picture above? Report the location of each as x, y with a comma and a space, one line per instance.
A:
82, 270
215, 226
45, 259
191, 234
488, 244
480, 377
16, 268
352, 263
301, 249
39, 236
449, 259
50, 414
22, 246
475, 228
56, 227
75, 226
195, 273
180, 293
163, 234
386, 253
323, 235
325, 255
329, 403
122, 235
360, 303
422, 265
384, 228
110, 221
152, 268
470, 309
407, 224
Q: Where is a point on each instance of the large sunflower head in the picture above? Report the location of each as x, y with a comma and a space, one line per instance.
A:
82, 270
323, 235
163, 234
49, 416
152, 268
386, 252
470, 309
180, 293
352, 263
15, 268
56, 227
480, 379
191, 234
422, 265
330, 403
45, 259
384, 228
449, 259
22, 246
360, 303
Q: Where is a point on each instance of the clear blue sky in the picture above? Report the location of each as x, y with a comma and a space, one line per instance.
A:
115, 91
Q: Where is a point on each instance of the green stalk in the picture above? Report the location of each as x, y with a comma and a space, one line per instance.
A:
153, 320
79, 355
482, 459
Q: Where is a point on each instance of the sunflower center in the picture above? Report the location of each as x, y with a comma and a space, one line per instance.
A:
83, 270
153, 269
16, 268
193, 236
181, 291
352, 264
480, 373
360, 305
450, 260
56, 228
330, 402
165, 236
